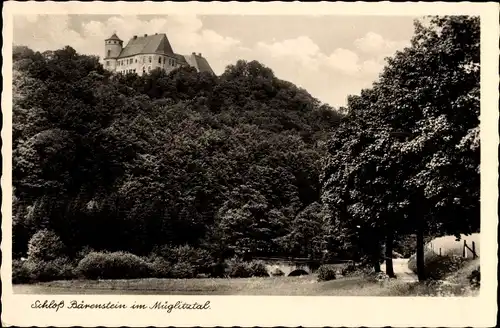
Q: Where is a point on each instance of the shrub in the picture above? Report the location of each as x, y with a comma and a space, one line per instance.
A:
436, 266
160, 268
33, 271
198, 258
218, 270
475, 278
376, 276
83, 252
20, 272
117, 265
183, 270
258, 269
238, 268
45, 245
277, 272
348, 269
326, 272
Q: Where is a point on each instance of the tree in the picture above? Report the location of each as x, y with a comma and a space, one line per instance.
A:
429, 92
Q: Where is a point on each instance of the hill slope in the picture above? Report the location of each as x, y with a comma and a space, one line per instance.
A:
217, 162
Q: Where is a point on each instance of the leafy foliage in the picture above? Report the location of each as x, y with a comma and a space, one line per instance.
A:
406, 157
326, 273
116, 265
45, 245
231, 159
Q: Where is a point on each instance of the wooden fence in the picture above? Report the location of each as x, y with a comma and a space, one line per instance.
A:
471, 247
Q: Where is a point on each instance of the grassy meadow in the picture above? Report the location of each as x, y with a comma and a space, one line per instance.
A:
266, 286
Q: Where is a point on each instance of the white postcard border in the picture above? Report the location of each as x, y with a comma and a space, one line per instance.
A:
274, 310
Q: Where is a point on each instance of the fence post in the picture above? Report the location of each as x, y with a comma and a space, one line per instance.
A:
465, 251
474, 250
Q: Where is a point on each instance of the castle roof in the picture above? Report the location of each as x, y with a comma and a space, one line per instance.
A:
147, 44
198, 62
181, 59
113, 37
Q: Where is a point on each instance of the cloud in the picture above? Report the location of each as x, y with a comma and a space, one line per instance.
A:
345, 61
301, 49
375, 44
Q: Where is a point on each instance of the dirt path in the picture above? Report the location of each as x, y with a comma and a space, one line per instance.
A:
401, 270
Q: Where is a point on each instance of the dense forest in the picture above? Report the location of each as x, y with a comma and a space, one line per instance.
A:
245, 162
122, 162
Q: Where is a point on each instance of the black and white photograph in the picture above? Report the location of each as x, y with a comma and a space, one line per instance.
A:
197, 154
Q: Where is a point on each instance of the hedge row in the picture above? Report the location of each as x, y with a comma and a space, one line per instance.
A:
122, 265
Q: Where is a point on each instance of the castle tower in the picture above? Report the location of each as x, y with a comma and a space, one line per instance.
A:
112, 48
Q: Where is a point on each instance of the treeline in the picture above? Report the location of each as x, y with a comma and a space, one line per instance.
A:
246, 162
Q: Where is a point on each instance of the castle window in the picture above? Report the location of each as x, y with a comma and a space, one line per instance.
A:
109, 53
150, 59
136, 60
159, 60
149, 67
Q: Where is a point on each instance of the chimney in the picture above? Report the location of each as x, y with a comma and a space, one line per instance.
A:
199, 54
135, 37
193, 53
145, 35
156, 33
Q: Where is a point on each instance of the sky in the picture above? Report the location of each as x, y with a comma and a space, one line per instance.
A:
329, 56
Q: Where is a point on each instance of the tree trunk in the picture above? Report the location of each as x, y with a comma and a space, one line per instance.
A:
389, 268
420, 252
376, 265
376, 258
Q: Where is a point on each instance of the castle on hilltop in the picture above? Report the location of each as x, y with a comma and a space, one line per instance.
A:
145, 53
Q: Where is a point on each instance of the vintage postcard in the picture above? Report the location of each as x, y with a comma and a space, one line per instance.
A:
249, 164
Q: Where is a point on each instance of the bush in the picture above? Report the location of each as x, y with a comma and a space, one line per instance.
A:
277, 272
348, 269
436, 266
258, 269
326, 272
160, 268
238, 268
117, 265
39, 271
45, 245
475, 278
20, 272
83, 252
198, 258
218, 270
183, 270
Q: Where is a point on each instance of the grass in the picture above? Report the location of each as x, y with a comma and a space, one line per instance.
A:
289, 286
303, 285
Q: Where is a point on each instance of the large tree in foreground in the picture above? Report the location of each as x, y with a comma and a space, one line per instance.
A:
407, 158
